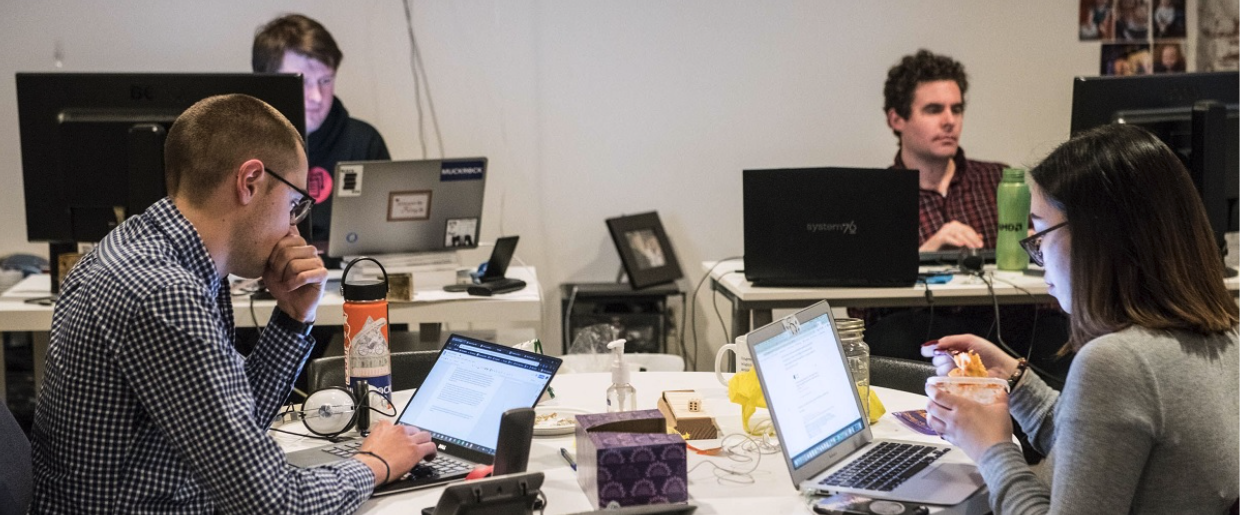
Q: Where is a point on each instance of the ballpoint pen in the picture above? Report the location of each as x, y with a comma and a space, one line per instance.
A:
568, 457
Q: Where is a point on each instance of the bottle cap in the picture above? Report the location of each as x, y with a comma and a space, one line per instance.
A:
363, 290
1014, 174
619, 371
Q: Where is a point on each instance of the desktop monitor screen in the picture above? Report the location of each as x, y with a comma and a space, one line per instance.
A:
1166, 105
93, 143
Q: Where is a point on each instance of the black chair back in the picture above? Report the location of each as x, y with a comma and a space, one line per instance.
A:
409, 369
16, 476
900, 374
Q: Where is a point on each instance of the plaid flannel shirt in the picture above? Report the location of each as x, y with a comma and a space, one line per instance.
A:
146, 406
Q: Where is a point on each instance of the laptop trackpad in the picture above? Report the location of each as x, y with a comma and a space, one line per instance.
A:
947, 483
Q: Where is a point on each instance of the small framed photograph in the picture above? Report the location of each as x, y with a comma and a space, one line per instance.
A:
461, 232
409, 205
644, 249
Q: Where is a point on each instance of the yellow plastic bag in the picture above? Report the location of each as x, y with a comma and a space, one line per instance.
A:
744, 389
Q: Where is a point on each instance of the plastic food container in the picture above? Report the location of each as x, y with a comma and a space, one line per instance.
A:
984, 390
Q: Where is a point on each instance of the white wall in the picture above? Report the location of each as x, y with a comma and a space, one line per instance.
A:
588, 110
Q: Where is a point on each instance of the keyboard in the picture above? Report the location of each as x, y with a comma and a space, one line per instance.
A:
951, 257
885, 467
440, 466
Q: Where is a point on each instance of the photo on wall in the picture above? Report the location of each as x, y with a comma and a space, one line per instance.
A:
1125, 60
1170, 20
1169, 57
1097, 20
1132, 20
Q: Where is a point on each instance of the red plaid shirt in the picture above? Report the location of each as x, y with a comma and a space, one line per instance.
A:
970, 200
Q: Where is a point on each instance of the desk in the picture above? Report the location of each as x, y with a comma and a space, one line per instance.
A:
770, 492
522, 307
752, 305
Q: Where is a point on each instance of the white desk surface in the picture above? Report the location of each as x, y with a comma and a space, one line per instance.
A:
430, 304
770, 491
729, 275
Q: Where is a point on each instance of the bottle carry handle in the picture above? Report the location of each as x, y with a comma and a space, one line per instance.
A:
344, 276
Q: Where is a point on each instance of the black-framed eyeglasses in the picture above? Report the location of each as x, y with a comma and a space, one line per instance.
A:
301, 208
1033, 244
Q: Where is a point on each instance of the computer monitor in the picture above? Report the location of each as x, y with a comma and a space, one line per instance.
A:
1196, 114
92, 144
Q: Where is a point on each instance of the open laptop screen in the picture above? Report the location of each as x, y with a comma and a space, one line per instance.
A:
471, 386
806, 382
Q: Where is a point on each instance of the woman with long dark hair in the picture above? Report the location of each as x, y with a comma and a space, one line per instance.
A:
1148, 418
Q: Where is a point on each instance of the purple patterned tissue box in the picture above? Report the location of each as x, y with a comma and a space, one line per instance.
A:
629, 458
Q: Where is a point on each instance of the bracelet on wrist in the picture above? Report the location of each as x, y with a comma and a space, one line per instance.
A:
387, 474
1021, 366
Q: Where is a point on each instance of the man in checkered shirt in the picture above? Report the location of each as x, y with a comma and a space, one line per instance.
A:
146, 406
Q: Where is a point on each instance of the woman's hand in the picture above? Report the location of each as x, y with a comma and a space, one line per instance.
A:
966, 424
998, 363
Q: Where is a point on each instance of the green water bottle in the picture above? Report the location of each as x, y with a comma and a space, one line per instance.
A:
1013, 200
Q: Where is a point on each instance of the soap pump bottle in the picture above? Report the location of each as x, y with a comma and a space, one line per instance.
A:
621, 396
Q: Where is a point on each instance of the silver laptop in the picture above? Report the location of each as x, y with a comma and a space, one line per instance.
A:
460, 403
824, 434
403, 207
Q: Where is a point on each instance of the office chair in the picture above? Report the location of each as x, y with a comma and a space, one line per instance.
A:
409, 369
16, 478
900, 374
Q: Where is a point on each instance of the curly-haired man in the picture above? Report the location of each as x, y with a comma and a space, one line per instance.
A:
924, 102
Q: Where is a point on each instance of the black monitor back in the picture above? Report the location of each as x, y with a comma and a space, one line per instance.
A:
92, 143
1166, 105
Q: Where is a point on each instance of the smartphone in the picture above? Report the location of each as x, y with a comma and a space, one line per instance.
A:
852, 504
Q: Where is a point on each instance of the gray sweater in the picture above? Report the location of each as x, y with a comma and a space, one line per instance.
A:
1148, 422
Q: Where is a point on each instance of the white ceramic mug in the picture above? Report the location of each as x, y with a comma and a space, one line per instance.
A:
744, 361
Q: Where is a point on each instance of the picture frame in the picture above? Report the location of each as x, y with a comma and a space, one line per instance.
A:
644, 249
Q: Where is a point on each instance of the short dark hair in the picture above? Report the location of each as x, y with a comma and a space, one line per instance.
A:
297, 33
924, 66
214, 136
1142, 252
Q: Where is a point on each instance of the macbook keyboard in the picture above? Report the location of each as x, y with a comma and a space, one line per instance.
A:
885, 467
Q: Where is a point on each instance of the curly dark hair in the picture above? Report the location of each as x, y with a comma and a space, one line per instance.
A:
924, 66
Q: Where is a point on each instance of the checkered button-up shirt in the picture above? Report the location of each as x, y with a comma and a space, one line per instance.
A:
970, 200
147, 408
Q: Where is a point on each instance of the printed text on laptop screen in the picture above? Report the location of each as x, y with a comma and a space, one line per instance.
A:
807, 383
470, 388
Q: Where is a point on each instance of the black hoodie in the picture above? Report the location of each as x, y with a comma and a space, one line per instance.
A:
340, 138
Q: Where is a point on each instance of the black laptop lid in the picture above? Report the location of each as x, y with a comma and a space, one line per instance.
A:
831, 227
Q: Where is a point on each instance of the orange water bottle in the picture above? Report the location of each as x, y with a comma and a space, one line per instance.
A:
366, 353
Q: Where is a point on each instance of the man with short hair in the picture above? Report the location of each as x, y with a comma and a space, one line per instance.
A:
146, 406
924, 103
297, 44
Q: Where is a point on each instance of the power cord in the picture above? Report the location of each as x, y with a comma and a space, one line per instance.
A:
997, 325
740, 452
419, 81
714, 300
691, 319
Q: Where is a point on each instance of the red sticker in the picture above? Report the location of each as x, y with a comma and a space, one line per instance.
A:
319, 184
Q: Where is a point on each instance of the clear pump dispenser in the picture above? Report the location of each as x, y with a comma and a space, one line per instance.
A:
621, 396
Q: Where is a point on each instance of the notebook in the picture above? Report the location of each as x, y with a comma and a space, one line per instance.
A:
460, 403
830, 227
824, 434
403, 207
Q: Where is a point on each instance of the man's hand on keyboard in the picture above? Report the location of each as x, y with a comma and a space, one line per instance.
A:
401, 446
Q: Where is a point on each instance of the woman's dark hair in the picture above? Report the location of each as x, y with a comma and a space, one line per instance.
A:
924, 66
297, 33
1142, 252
